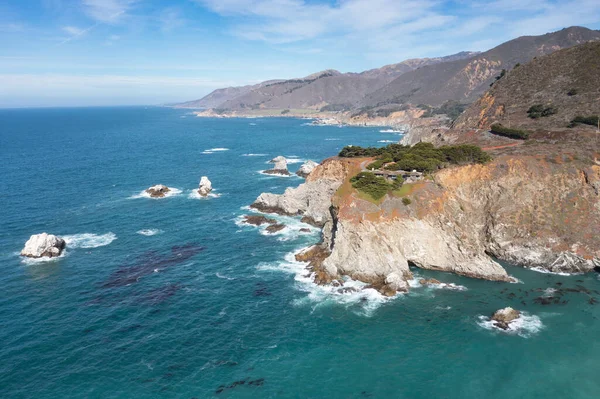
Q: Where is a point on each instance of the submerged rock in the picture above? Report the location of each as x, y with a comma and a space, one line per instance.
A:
503, 317
205, 186
275, 228
280, 167
43, 245
258, 220
158, 191
306, 168
429, 281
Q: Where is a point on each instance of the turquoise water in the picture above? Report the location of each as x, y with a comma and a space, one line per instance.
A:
202, 306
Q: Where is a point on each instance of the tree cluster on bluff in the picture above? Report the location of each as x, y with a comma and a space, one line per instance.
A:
423, 157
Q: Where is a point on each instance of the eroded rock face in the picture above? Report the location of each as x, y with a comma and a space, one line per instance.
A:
43, 245
279, 167
158, 191
205, 186
306, 168
503, 317
521, 209
311, 199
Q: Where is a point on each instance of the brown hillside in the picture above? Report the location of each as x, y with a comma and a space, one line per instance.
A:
567, 81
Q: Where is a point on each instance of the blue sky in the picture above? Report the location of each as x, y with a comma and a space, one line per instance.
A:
116, 52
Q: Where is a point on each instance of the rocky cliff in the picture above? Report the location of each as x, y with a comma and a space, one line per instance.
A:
526, 210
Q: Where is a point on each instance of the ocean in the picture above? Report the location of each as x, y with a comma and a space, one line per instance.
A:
176, 298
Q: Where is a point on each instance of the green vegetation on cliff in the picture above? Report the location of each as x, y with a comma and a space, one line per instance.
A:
508, 132
423, 157
374, 186
586, 120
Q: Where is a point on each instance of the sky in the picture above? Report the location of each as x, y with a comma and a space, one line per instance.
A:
128, 52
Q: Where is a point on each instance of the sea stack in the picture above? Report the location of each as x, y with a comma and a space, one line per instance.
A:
43, 245
158, 191
280, 167
205, 186
503, 317
306, 168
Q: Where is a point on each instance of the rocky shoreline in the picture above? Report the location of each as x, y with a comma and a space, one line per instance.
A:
460, 222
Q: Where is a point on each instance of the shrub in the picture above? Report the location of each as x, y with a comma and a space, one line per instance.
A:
539, 111
375, 165
368, 183
508, 132
586, 120
406, 201
285, 111
572, 92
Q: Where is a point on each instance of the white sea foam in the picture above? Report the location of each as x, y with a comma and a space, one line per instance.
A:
254, 155
194, 194
88, 240
171, 193
219, 275
290, 232
252, 124
414, 283
332, 139
291, 160
386, 141
525, 326
213, 150
542, 270
391, 131
45, 259
149, 232
353, 295
262, 172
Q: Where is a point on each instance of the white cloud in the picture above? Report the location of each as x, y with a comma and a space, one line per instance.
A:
73, 30
283, 21
107, 11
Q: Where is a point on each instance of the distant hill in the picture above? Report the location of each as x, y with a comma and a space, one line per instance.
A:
330, 88
465, 80
555, 88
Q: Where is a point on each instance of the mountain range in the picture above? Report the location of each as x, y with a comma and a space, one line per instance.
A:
461, 77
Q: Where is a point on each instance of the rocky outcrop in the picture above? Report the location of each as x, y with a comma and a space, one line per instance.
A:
158, 191
306, 168
521, 209
43, 245
279, 168
503, 317
205, 186
311, 199
258, 220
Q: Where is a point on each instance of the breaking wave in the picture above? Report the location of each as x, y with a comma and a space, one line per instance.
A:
525, 326
213, 150
172, 192
149, 232
353, 295
88, 240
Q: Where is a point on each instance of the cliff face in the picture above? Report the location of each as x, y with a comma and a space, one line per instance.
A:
522, 209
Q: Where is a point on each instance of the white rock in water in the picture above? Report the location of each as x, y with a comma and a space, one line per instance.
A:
43, 245
205, 186
306, 168
280, 167
280, 163
396, 282
158, 191
503, 317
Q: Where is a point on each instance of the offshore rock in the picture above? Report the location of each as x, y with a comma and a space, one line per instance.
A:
306, 168
503, 317
280, 167
158, 191
205, 186
43, 245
